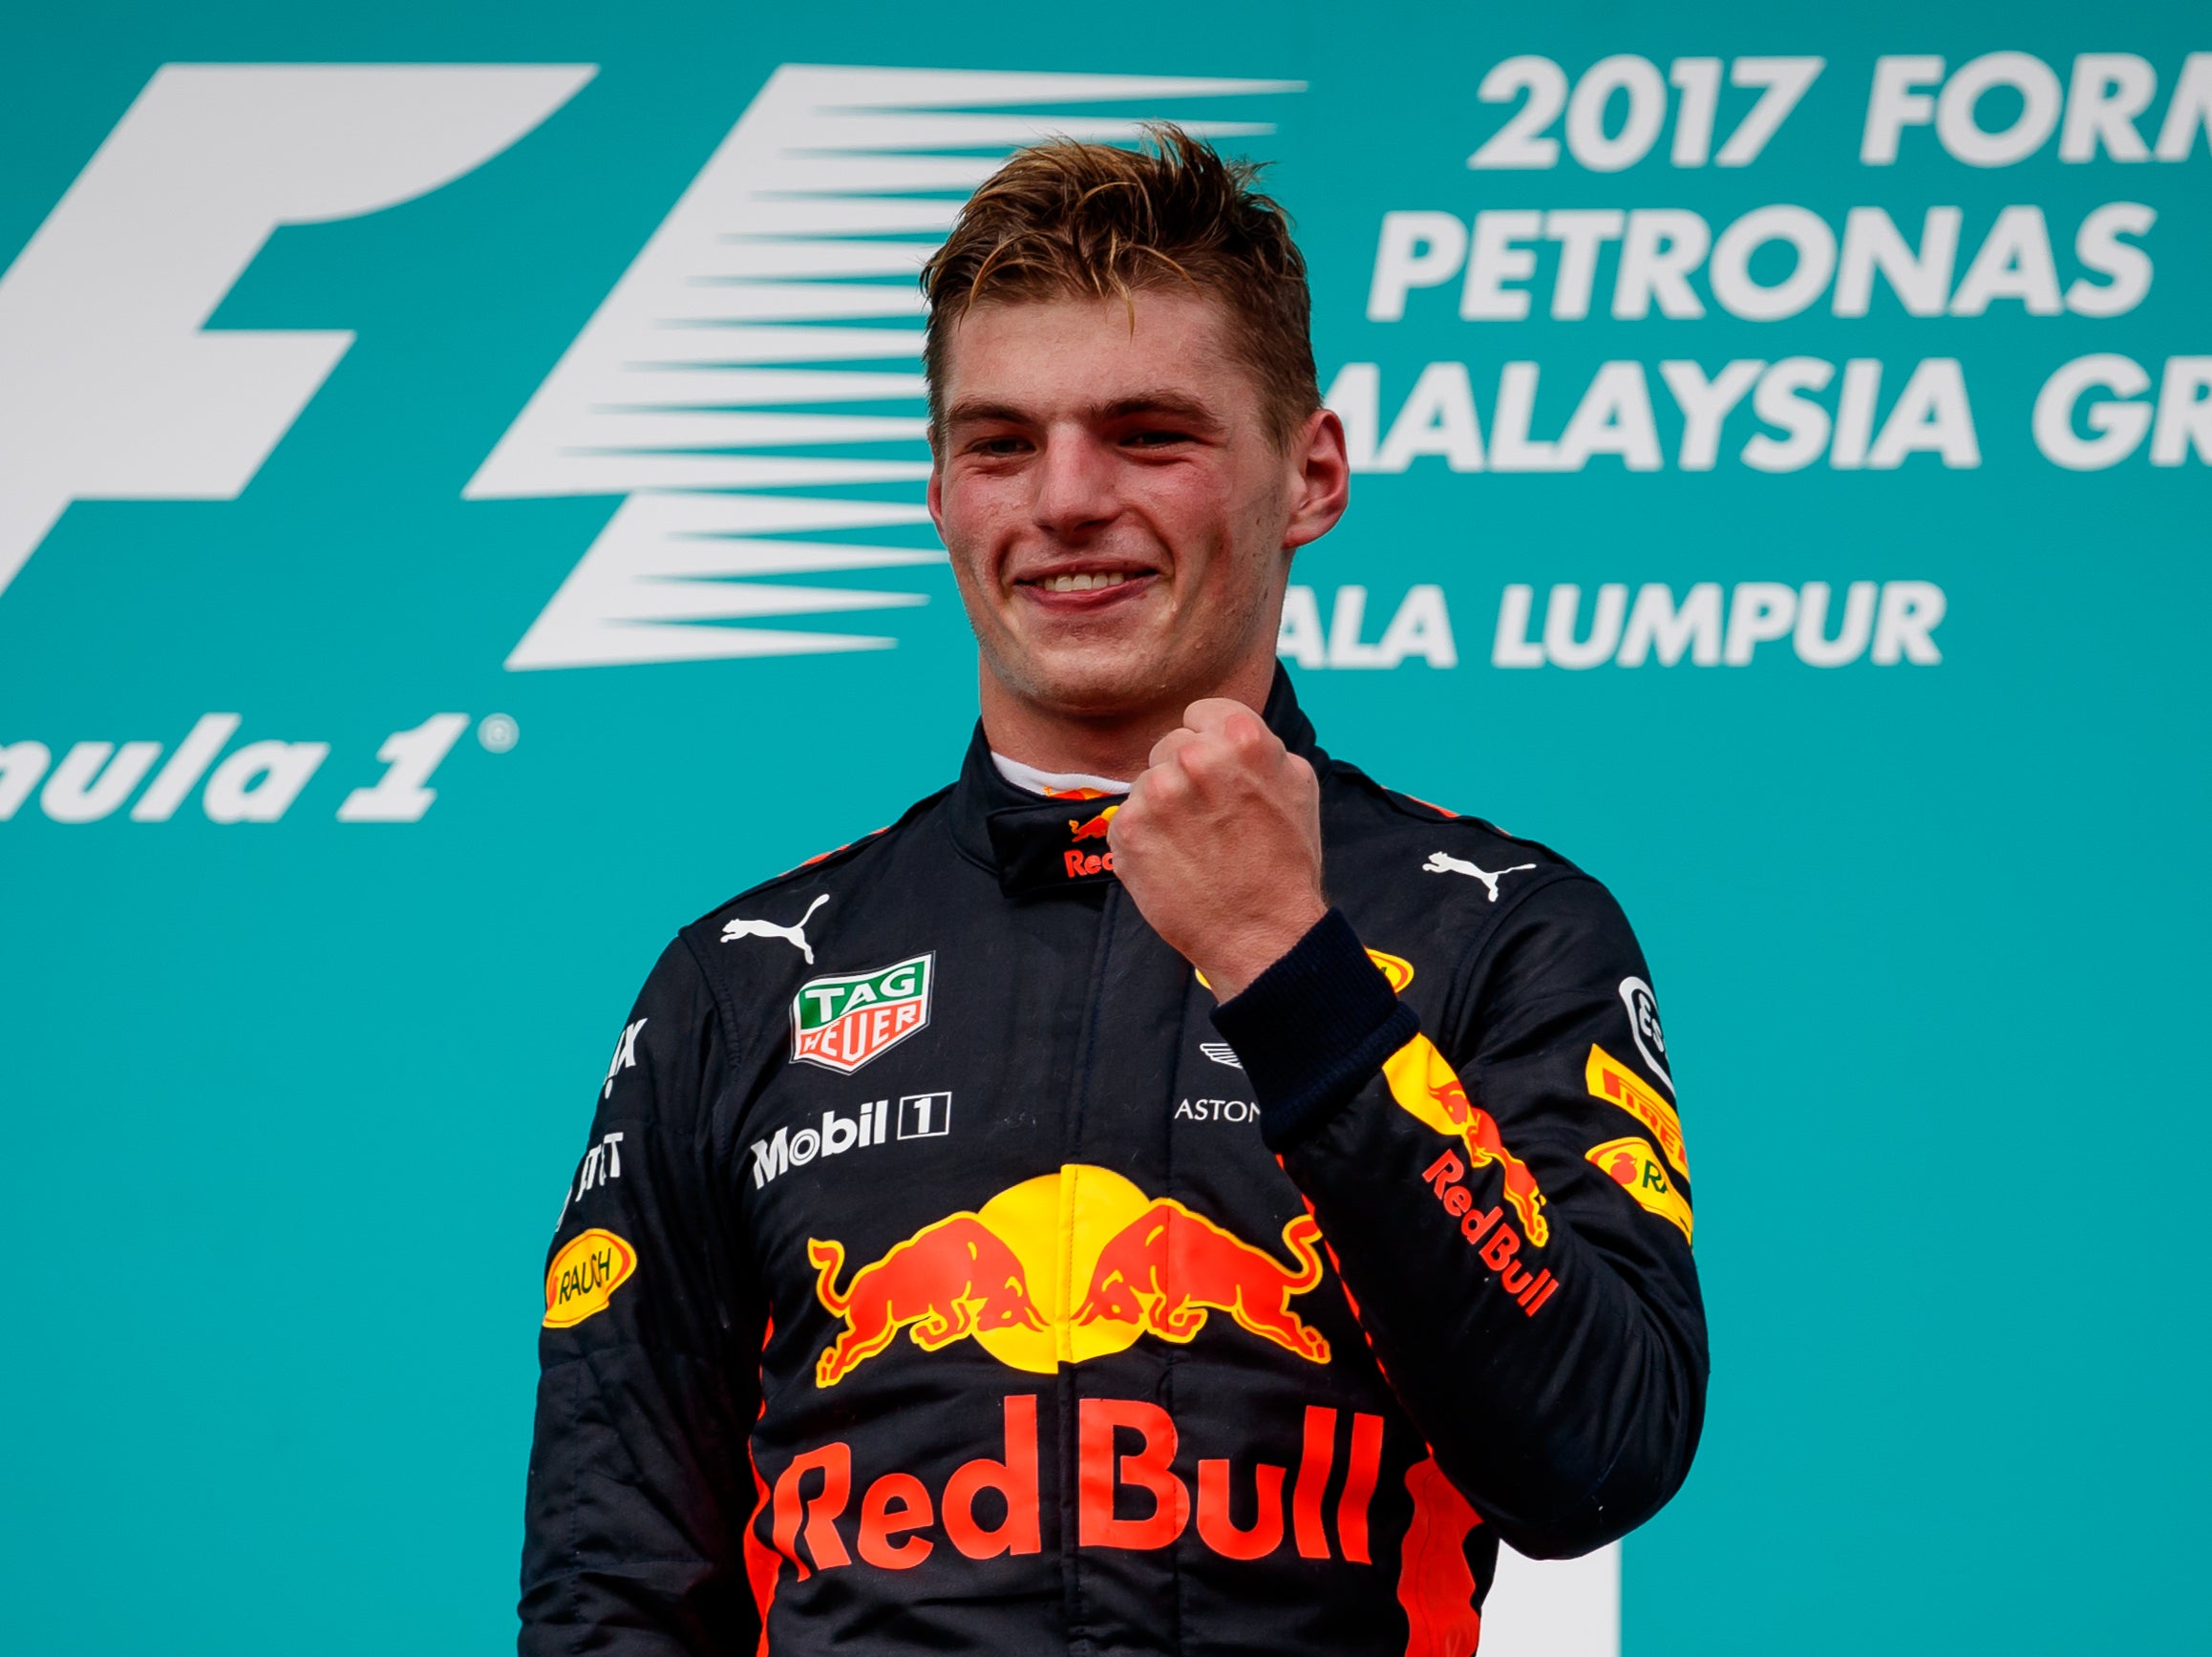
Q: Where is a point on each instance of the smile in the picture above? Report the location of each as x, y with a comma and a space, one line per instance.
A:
1081, 583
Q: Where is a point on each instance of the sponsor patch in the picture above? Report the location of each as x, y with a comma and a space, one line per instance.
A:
584, 1275
1490, 1234
1397, 969
625, 1057
842, 1023
794, 934
1644, 1025
1631, 1166
1062, 1269
1609, 1079
1426, 1087
1444, 863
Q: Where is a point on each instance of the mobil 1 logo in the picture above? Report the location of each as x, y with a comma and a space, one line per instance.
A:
918, 1117
925, 1116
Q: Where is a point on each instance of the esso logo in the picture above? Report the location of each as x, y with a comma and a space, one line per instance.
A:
1644, 1025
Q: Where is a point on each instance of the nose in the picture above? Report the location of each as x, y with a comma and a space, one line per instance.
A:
1075, 484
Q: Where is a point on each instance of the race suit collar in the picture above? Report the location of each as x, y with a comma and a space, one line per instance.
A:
1041, 846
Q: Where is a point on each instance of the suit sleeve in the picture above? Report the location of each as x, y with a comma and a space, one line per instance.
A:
639, 1486
1451, 1172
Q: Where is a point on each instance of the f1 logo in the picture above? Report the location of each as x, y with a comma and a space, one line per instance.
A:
110, 388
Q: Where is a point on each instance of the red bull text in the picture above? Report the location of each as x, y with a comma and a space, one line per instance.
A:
1122, 1445
1494, 1236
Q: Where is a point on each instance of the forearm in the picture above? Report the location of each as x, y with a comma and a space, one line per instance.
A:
1543, 1349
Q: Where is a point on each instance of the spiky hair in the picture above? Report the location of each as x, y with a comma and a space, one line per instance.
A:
1064, 218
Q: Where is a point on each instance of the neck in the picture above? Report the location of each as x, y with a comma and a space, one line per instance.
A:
1116, 744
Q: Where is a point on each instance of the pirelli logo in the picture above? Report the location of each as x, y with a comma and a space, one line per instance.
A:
1609, 1079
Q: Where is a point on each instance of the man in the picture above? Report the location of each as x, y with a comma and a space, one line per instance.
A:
1166, 1193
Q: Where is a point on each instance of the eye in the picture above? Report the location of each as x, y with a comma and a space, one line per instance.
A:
1157, 437
998, 447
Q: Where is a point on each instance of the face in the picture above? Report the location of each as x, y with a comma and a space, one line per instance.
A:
1119, 517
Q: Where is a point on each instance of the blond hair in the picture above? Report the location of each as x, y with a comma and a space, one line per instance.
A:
1069, 219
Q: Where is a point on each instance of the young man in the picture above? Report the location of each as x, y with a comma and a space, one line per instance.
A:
1050, 1224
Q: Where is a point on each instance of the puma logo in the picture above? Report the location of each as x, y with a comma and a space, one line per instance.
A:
793, 935
1439, 863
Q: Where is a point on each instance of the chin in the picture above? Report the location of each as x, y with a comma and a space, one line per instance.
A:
1084, 684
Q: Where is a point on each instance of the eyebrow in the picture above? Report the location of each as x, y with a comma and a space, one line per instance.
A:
1173, 404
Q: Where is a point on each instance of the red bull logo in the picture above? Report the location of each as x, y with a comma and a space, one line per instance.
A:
1490, 1235
1172, 1266
1081, 862
1066, 1268
1094, 829
942, 1283
1125, 1447
1424, 1084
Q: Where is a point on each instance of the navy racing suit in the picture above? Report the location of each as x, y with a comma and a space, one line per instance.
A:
948, 1272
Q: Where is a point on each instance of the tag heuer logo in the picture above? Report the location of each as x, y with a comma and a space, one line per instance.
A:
842, 1023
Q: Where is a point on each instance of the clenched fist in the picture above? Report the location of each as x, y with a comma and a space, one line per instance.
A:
1219, 844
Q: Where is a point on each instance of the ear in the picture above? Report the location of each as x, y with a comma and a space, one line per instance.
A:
1320, 478
936, 491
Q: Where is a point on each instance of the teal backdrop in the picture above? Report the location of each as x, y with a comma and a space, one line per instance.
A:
289, 1103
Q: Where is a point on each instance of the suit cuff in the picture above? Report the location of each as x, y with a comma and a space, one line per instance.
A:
1313, 1029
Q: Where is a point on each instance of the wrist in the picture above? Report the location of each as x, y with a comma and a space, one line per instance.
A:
1243, 956
1313, 1030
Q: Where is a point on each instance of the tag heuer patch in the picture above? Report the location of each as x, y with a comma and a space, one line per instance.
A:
843, 1022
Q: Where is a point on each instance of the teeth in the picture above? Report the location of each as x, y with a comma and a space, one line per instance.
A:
1083, 583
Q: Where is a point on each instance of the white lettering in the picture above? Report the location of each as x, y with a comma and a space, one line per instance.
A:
1758, 611
186, 767
2014, 262
86, 785
1780, 401
1814, 648
410, 756
1513, 648
1910, 610
1495, 258
1438, 419
2188, 109
1585, 115
1872, 241
1614, 417
2097, 244
1580, 232
21, 765
2184, 412
1931, 415
2107, 92
1967, 140
1561, 647
1655, 622
1805, 231
1705, 405
1661, 246
2119, 425
1897, 101
1416, 251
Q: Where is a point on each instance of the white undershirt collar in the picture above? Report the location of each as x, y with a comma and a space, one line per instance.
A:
1038, 781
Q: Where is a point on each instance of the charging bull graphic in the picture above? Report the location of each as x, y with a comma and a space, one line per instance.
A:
942, 1284
1092, 828
1173, 1266
1424, 1084
1009, 1276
